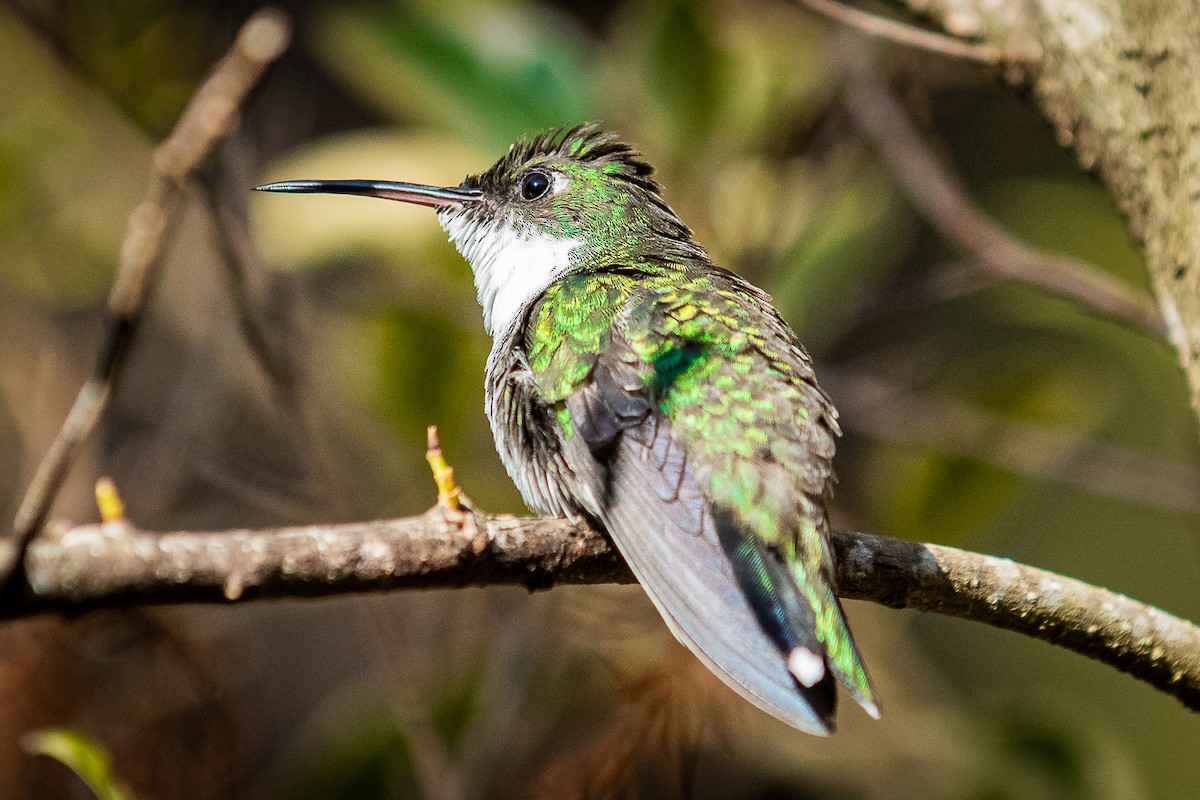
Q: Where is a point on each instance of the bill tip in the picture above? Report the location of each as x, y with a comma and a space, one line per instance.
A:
284, 186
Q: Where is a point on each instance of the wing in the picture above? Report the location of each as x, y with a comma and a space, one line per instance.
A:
647, 498
712, 492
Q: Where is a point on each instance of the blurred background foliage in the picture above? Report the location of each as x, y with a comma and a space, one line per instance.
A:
977, 413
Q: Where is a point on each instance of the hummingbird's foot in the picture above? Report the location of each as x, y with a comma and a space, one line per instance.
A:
453, 504
450, 496
112, 509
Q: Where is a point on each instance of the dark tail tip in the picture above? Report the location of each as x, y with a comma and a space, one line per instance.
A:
822, 696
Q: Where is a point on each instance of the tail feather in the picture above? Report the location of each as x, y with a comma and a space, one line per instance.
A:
841, 652
775, 637
675, 552
784, 614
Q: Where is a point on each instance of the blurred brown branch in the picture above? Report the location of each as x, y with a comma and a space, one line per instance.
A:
209, 116
96, 566
904, 34
1136, 127
943, 201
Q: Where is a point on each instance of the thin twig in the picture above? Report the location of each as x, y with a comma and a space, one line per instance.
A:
207, 118
269, 315
904, 34
942, 200
95, 566
265, 328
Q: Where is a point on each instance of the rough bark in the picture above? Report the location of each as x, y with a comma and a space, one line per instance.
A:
114, 564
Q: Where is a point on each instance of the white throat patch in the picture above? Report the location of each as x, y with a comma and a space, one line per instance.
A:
512, 263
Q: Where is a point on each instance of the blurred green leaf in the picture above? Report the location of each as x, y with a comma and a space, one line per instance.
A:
939, 497
81, 755
775, 75
490, 75
1014, 373
854, 243
458, 704
147, 55
369, 758
425, 366
1041, 752
1072, 216
683, 70
1048, 751
71, 169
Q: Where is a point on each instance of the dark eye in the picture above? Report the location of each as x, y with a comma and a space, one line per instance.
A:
535, 185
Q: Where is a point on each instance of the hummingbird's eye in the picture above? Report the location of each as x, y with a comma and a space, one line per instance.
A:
535, 185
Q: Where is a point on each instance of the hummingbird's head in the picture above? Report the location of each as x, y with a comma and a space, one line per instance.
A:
568, 200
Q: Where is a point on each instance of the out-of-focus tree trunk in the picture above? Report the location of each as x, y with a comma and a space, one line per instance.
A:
1120, 82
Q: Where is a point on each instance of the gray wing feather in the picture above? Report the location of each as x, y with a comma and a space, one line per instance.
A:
646, 495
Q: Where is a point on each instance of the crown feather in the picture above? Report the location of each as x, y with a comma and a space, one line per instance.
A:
586, 143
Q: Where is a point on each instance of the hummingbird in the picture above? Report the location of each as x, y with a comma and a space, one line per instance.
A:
634, 383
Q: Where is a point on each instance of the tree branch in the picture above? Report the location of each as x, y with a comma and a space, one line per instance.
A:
903, 34
209, 115
1120, 82
943, 201
113, 564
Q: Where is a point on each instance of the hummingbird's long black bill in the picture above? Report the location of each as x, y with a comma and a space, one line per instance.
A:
433, 196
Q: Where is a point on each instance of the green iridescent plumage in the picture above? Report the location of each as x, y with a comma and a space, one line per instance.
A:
633, 382
740, 395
